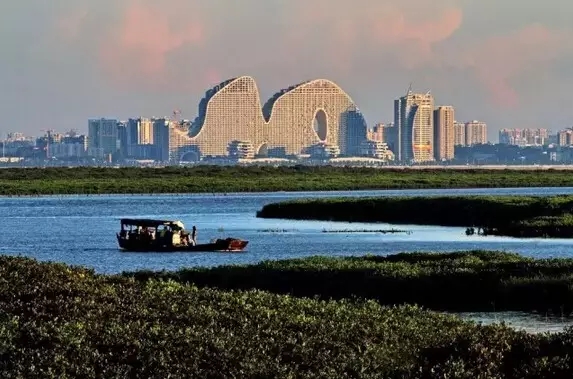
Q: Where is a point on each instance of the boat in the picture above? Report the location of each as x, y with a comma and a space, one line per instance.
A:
147, 235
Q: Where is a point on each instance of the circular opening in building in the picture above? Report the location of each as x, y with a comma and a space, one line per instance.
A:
190, 156
263, 151
320, 124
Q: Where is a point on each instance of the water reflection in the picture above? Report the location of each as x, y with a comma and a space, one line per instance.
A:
530, 322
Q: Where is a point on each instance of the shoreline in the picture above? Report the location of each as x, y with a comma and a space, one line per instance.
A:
520, 216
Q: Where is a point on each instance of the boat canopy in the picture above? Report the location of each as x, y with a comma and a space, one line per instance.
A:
149, 223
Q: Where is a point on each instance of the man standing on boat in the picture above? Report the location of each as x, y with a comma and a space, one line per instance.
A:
194, 235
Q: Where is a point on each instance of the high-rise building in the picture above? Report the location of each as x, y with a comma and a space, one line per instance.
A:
102, 137
444, 133
476, 133
565, 137
459, 133
414, 118
523, 137
15, 136
161, 130
132, 126
145, 131
536, 137
377, 133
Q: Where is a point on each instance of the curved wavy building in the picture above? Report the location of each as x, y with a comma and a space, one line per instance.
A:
292, 121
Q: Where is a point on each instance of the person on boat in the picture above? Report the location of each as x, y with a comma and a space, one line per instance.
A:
194, 235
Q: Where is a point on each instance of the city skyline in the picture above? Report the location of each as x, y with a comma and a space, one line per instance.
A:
507, 64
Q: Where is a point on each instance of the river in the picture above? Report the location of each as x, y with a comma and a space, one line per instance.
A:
80, 230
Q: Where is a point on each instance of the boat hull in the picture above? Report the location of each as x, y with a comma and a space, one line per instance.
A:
228, 245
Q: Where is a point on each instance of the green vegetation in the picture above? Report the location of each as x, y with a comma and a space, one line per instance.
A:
470, 281
64, 322
516, 216
89, 180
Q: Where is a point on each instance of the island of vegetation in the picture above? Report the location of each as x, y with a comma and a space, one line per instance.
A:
225, 179
58, 321
514, 216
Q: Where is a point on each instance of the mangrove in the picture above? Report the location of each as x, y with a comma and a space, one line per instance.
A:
58, 321
226, 179
470, 281
514, 216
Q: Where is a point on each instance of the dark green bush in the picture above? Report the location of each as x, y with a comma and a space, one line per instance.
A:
468, 281
64, 322
516, 216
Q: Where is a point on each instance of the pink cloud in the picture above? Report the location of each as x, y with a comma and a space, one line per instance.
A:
374, 24
140, 45
500, 59
190, 44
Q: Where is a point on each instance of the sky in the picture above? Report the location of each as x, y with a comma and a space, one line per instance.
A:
506, 62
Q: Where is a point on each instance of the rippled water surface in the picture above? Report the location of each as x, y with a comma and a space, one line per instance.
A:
81, 230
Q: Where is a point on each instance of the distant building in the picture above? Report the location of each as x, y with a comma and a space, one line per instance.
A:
161, 137
292, 120
323, 150
459, 133
145, 131
414, 118
376, 149
524, 137
377, 133
241, 150
444, 133
476, 133
102, 137
565, 137
15, 136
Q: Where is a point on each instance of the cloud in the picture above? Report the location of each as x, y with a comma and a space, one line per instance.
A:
142, 44
138, 48
70, 24
405, 31
189, 45
499, 60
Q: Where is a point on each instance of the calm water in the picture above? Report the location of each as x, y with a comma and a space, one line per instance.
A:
80, 230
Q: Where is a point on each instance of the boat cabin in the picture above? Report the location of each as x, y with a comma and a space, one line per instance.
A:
154, 232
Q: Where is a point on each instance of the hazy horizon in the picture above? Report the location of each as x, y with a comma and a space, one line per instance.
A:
506, 63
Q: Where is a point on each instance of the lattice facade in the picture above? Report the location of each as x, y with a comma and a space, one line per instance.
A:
232, 111
444, 133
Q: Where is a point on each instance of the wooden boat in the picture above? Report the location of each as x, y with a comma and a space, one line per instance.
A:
146, 235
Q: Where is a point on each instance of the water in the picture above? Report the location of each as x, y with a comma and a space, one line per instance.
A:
80, 230
529, 322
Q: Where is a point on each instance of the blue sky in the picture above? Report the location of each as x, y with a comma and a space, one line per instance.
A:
506, 62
